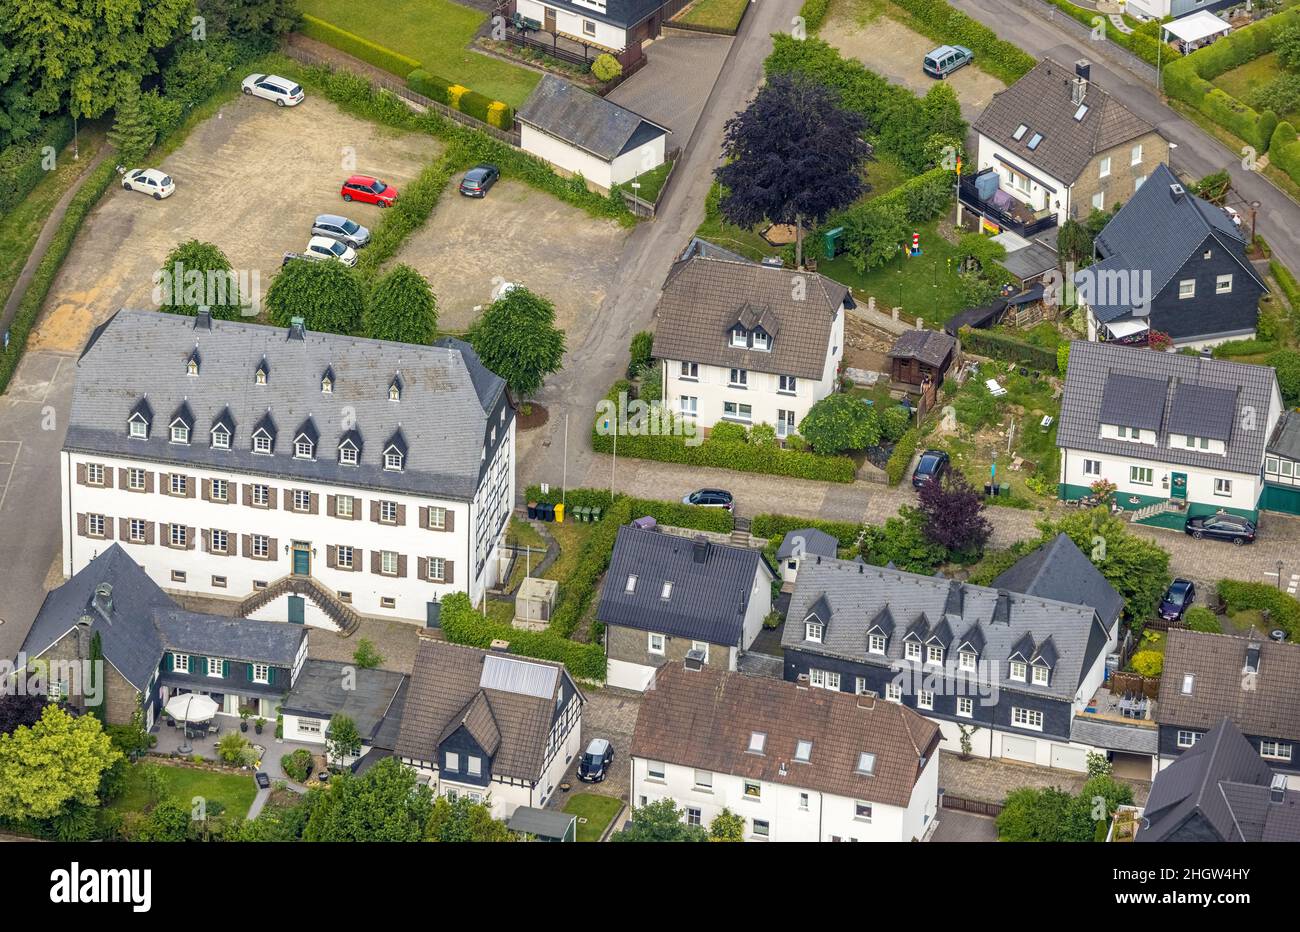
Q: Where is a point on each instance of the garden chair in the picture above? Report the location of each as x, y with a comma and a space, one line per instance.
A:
996, 390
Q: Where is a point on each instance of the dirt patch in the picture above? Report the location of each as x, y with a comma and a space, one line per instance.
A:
250, 180
891, 49
865, 347
536, 416
515, 234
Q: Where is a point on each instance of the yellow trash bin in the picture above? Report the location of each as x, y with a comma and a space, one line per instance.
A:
559, 513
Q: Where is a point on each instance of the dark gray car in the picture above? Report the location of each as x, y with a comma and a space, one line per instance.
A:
346, 231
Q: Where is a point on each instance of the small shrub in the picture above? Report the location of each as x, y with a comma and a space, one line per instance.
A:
298, 765
606, 67
1200, 618
1148, 662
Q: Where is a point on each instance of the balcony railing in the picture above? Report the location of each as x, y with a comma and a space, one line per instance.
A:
1016, 217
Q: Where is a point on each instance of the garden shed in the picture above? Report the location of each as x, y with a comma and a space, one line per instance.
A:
534, 603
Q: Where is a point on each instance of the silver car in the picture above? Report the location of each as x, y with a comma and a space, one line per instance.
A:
346, 231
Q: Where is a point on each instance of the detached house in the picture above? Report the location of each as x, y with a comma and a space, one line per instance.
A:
618, 27
1170, 261
667, 596
1211, 677
796, 764
313, 477
748, 343
153, 649
1010, 669
496, 728
1054, 147
1173, 432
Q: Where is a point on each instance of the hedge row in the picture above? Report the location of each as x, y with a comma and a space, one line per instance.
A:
576, 591
92, 188
939, 21
461, 624
1284, 152
412, 209
922, 198
22, 164
1188, 79
1141, 43
1286, 281
1002, 346
393, 62
450, 94
769, 526
1283, 610
672, 514
814, 13
901, 457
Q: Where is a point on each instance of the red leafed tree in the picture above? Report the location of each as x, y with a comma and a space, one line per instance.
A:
954, 514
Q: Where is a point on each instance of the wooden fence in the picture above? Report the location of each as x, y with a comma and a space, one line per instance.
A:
974, 806
394, 86
1121, 683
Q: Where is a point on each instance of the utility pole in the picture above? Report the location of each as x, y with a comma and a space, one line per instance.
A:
564, 476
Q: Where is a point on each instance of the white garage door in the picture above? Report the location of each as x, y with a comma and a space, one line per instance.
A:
1021, 749
1068, 758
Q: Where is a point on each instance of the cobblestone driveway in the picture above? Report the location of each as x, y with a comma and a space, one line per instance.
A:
991, 780
610, 713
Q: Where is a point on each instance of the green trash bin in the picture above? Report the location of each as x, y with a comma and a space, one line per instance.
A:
1005, 490
581, 514
597, 512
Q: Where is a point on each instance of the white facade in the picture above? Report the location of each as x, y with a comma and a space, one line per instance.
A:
1039, 192
594, 169
574, 24
790, 812
467, 549
709, 395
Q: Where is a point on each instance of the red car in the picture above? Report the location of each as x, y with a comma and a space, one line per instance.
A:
367, 190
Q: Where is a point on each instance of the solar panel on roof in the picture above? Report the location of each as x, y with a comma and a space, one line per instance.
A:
518, 676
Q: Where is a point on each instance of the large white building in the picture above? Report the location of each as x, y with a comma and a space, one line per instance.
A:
308, 475
748, 343
797, 764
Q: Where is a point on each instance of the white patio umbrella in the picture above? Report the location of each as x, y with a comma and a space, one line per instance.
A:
191, 707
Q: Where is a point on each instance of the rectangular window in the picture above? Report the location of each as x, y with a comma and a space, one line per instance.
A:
1040, 676
813, 631
345, 557
1099, 201
894, 692
753, 790
762, 829
136, 531
214, 667
737, 412
178, 484
690, 405
692, 816
934, 654
94, 474
303, 449
1140, 475
220, 490
691, 370
261, 546
702, 647
1092, 467
656, 644
1223, 487
139, 430
95, 525
180, 433
704, 780
1027, 718
966, 661
437, 517
178, 576
738, 337
1135, 156
654, 770
1104, 167
388, 562
176, 534
862, 811
309, 726
912, 650
803, 802
220, 541
220, 440
762, 342
437, 569
925, 700
1223, 284
876, 643
824, 679
1018, 670
261, 495
261, 673
218, 582
1187, 288
739, 378
181, 663
348, 455
453, 760
1270, 466
474, 766
388, 512
301, 500
343, 506
965, 706
1275, 750
1138, 182
860, 685
262, 443
135, 480
388, 602
1188, 738
788, 385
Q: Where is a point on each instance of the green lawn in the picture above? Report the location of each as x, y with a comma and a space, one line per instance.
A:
1254, 74
437, 33
651, 182
599, 811
719, 14
925, 286
234, 790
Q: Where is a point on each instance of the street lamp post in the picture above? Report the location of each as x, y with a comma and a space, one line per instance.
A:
1254, 208
1279, 575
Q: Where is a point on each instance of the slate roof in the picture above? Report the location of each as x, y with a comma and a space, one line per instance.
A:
623, 13
1159, 231
929, 346
1223, 780
1093, 366
1103, 734
1041, 101
140, 356
811, 541
318, 692
143, 622
704, 297
446, 690
704, 718
582, 119
711, 585
1286, 436
856, 594
1268, 709
1059, 570
1031, 260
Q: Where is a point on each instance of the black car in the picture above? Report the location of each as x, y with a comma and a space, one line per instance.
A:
709, 498
1178, 598
933, 465
595, 762
479, 179
1222, 526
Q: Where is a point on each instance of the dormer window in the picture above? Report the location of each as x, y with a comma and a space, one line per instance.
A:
966, 661
875, 643
348, 453
393, 459
813, 631
262, 442
762, 341
180, 432
327, 386
395, 388
304, 449
1041, 674
138, 427
261, 374
739, 337
220, 438
192, 367
1018, 670
912, 650
934, 654
667, 591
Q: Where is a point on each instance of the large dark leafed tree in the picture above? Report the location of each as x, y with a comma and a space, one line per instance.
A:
793, 156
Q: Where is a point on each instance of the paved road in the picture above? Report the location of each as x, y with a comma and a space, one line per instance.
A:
1026, 23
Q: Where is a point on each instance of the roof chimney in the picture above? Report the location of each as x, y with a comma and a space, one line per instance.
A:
1277, 789
499, 646
297, 327
1252, 657
694, 659
1176, 191
1079, 87
1002, 609
700, 549
203, 319
103, 600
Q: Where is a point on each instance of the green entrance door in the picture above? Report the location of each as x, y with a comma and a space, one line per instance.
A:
297, 610
301, 559
1178, 485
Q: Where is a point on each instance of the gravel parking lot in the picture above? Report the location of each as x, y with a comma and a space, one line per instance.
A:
250, 180
515, 234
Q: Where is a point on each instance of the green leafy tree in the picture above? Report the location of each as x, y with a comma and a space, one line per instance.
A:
401, 308
327, 295
342, 739
727, 826
1032, 814
1090, 812
1287, 46
230, 747
461, 819
98, 679
168, 820
1287, 365
197, 274
660, 821
386, 803
639, 350
365, 656
875, 233
133, 133
517, 339
250, 19
902, 542
840, 422
59, 760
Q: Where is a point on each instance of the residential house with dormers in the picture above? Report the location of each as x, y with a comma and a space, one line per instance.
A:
497, 728
1009, 669
153, 649
310, 477
748, 343
797, 764
1178, 435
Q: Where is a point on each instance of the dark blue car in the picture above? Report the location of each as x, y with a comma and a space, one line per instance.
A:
1177, 599
933, 465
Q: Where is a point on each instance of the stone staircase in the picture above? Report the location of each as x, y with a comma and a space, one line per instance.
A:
1150, 511
323, 598
740, 535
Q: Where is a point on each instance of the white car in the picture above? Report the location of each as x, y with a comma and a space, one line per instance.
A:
284, 92
322, 247
149, 181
